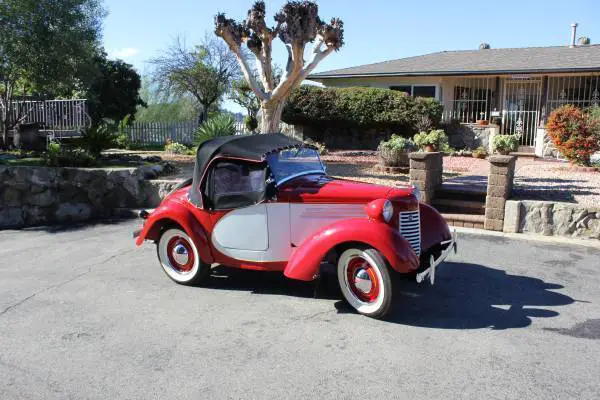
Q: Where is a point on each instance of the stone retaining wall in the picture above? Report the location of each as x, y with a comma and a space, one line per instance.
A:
44, 195
473, 136
552, 219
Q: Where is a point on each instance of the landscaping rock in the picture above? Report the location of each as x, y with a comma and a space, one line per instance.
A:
73, 212
42, 195
153, 159
559, 219
11, 217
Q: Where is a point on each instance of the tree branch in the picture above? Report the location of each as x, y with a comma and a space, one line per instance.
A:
246, 71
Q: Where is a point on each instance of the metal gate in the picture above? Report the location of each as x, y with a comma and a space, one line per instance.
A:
521, 111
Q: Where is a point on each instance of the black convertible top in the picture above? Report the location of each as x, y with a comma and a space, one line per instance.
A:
249, 147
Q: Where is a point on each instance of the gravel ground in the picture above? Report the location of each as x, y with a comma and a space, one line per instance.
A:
534, 179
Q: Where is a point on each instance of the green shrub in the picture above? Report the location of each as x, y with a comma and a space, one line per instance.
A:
480, 152
436, 138
220, 125
394, 152
397, 142
358, 106
251, 123
122, 142
57, 156
175, 148
504, 144
99, 137
122, 139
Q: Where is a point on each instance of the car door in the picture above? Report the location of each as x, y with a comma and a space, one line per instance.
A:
247, 226
235, 192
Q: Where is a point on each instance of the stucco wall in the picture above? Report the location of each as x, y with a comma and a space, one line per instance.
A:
43, 195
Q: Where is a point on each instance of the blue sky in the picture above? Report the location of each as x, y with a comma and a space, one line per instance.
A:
137, 30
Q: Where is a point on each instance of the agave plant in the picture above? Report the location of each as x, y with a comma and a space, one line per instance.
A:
221, 125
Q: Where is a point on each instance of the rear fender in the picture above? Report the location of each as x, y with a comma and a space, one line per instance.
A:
179, 214
305, 262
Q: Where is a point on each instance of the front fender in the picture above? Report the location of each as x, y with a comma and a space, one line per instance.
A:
174, 212
434, 228
305, 262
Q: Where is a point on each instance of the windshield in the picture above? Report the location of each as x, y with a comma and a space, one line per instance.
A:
289, 163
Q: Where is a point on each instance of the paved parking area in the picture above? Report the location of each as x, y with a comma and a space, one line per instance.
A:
83, 314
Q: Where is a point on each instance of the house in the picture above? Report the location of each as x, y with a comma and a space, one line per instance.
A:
514, 87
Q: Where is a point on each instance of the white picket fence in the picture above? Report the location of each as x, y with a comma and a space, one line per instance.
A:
159, 133
56, 115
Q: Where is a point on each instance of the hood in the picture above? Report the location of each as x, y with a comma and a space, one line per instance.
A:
324, 189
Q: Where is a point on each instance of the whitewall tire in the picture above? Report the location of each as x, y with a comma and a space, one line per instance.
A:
179, 258
365, 281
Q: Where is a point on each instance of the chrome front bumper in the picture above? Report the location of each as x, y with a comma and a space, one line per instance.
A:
433, 263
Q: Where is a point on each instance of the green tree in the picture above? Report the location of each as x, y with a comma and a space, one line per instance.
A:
204, 72
43, 44
114, 92
160, 108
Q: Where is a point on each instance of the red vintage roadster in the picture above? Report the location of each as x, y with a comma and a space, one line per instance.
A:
265, 202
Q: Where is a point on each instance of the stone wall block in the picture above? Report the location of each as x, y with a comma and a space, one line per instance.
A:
495, 202
493, 224
426, 171
500, 184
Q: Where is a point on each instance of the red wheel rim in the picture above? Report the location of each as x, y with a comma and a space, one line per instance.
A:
362, 279
180, 254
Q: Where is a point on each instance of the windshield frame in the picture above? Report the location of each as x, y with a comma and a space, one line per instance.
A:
321, 171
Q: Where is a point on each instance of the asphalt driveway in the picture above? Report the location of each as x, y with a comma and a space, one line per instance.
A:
83, 314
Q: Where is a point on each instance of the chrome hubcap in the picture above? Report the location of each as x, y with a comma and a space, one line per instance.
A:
362, 281
180, 254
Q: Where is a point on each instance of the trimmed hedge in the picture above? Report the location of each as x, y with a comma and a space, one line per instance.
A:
359, 107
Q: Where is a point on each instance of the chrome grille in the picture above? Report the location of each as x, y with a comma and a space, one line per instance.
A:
410, 229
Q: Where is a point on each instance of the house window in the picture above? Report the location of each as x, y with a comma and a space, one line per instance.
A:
423, 91
473, 99
416, 90
403, 88
581, 91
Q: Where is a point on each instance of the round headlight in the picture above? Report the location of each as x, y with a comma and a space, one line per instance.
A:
388, 211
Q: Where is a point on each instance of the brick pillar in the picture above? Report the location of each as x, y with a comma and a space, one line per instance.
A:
426, 173
500, 185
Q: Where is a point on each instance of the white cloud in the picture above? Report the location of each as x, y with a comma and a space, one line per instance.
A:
123, 53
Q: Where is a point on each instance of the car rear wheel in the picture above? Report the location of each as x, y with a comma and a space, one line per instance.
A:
179, 258
365, 281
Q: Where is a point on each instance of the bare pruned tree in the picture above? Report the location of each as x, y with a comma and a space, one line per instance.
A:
296, 25
204, 72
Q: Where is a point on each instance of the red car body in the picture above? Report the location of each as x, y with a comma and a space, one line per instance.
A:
309, 218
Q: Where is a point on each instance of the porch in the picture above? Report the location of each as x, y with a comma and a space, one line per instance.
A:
515, 104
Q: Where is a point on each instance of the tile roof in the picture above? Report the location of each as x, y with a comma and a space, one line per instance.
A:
489, 61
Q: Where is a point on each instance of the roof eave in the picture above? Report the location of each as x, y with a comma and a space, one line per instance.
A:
455, 73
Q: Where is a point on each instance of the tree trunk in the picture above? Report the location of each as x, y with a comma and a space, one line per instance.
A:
270, 117
4, 142
203, 115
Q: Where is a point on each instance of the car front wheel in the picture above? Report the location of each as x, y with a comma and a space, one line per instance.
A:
365, 281
179, 258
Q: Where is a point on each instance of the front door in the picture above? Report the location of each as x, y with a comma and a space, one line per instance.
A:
521, 111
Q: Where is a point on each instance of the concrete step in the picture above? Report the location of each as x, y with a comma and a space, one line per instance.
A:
465, 220
459, 206
523, 154
460, 192
526, 149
